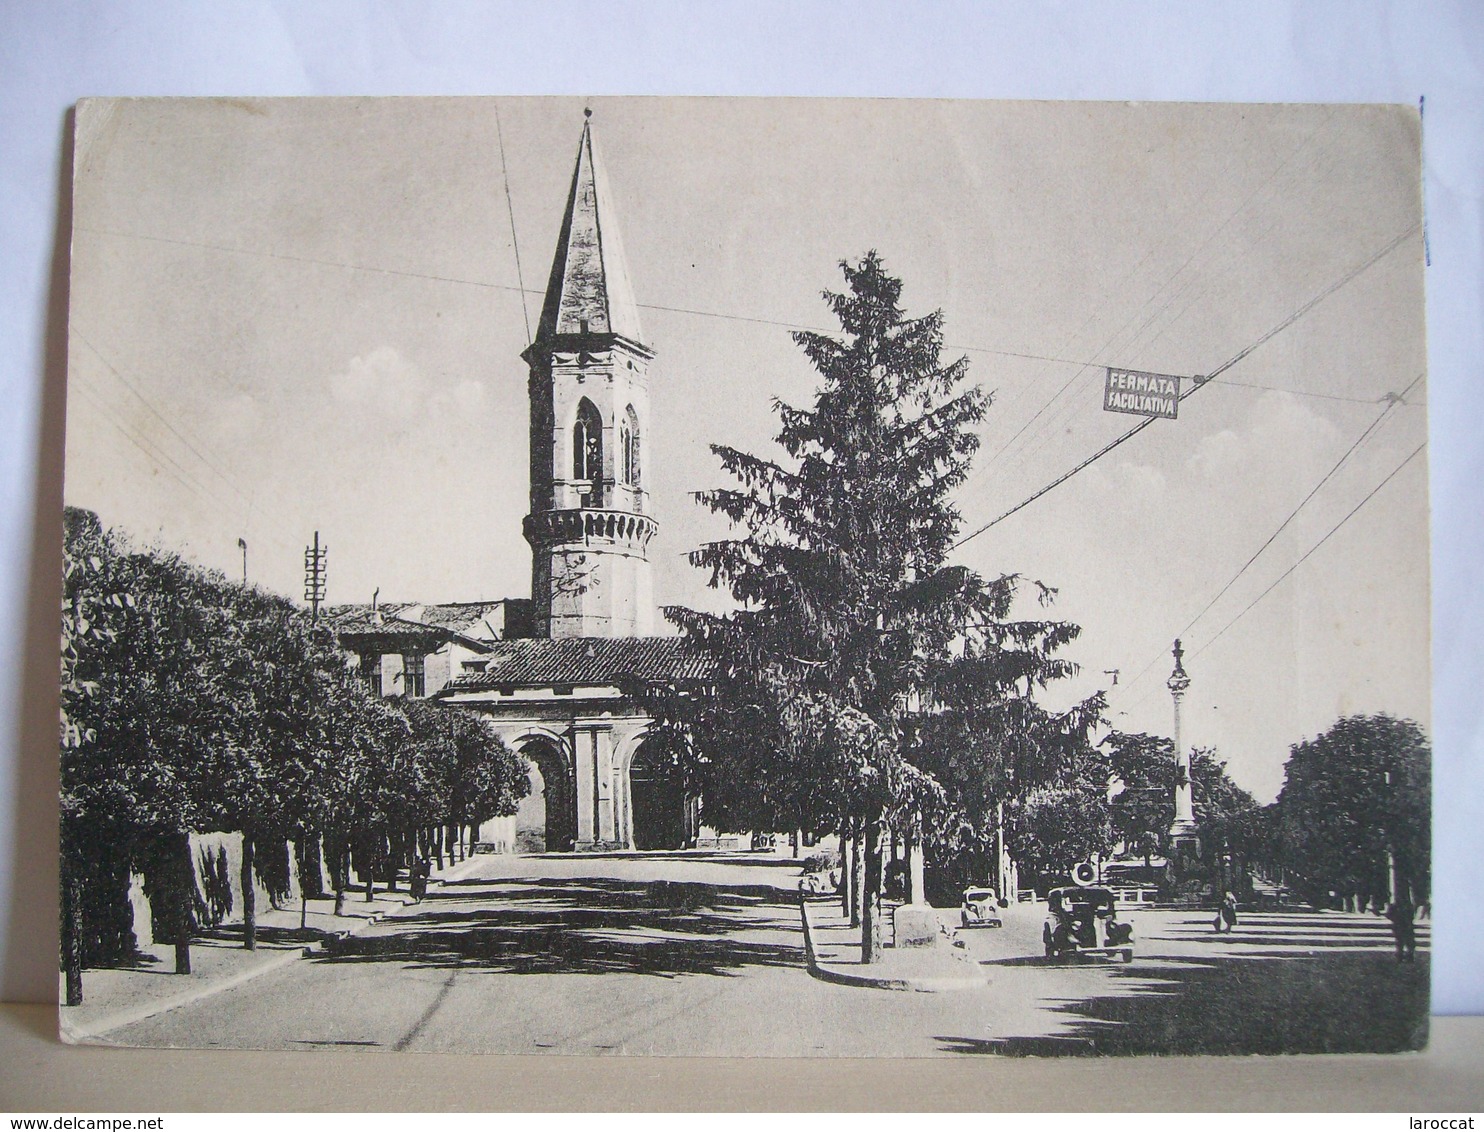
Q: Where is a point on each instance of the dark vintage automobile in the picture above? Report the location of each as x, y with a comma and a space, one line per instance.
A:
1083, 920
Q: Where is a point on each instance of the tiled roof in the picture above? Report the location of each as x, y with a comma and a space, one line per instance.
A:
461, 616
587, 661
356, 624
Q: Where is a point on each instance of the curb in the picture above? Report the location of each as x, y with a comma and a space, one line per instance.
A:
101, 1026
457, 872
925, 984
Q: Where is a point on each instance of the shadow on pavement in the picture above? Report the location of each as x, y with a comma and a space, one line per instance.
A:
1282, 989
585, 926
267, 936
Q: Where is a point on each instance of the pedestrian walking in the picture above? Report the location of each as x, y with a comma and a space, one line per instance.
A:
1402, 914
1226, 913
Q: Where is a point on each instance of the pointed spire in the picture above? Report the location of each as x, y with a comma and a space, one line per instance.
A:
589, 287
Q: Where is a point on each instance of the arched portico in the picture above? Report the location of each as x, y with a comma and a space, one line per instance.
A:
657, 802
545, 821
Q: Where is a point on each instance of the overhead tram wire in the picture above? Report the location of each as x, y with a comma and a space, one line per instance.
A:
668, 309
1147, 421
1282, 577
1313, 549
1154, 315
1190, 292
1371, 428
1375, 424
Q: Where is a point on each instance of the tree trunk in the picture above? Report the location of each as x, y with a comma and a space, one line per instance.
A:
309, 864
249, 895
912, 873
72, 930
338, 849
847, 871
185, 889
871, 893
858, 868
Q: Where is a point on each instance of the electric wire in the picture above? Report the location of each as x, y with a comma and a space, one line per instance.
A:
145, 401
510, 209
157, 457
1349, 515
1187, 295
1234, 360
1305, 557
1183, 289
669, 309
1371, 428
1375, 424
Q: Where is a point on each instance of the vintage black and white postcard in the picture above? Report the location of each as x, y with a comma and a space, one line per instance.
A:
746, 577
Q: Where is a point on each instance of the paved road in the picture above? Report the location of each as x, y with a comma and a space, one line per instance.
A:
690, 955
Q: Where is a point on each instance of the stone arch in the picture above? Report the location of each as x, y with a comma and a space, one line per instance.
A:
546, 822
587, 443
656, 800
629, 447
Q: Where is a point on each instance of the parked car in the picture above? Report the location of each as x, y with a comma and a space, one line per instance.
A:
1083, 920
980, 909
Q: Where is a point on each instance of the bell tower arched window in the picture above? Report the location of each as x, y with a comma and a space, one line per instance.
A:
629, 443
587, 443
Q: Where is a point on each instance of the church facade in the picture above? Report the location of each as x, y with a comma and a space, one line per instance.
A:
555, 674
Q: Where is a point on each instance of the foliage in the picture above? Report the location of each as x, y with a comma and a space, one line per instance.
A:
468, 775
1052, 827
863, 678
193, 704
839, 567
1349, 796
1227, 818
1144, 766
1143, 808
820, 862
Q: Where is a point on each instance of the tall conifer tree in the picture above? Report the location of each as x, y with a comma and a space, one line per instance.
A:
839, 563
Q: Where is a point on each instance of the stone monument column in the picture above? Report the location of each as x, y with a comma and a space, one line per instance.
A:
1182, 829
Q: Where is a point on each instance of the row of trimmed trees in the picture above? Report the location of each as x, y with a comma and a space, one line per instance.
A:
1351, 825
191, 704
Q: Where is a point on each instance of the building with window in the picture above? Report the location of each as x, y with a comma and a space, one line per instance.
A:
556, 674
412, 649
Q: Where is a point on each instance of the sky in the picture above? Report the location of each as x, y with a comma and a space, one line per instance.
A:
296, 315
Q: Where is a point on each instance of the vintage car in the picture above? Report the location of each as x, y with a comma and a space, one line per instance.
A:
1083, 920
980, 909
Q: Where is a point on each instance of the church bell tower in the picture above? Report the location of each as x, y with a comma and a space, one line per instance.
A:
589, 526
